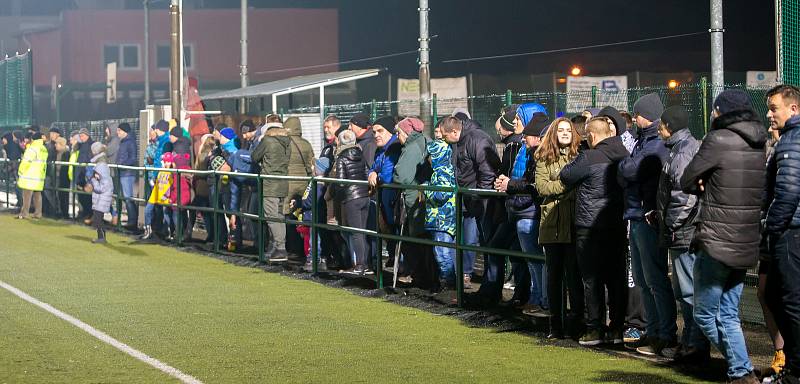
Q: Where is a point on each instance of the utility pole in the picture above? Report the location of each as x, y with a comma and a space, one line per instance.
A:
176, 62
243, 101
779, 41
424, 69
717, 63
146, 52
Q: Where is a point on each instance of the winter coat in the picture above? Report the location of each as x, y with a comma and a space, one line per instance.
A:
162, 188
730, 162
33, 167
73, 158
303, 206
13, 152
440, 207
84, 156
476, 164
676, 208
161, 143
412, 168
594, 174
785, 171
511, 146
349, 165
273, 154
368, 147
385, 160
301, 163
638, 173
327, 151
103, 185
182, 146
112, 146
128, 154
522, 204
557, 221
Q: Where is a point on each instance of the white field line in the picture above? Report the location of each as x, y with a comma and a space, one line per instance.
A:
174, 372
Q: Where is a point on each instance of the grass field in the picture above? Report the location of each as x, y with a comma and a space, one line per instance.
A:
223, 324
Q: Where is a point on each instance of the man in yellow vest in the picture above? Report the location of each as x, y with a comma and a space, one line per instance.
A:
30, 177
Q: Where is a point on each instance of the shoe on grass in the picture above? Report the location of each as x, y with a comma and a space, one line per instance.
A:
632, 335
614, 336
279, 255
591, 338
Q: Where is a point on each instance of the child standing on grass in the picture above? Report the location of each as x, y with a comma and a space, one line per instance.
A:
159, 195
440, 209
302, 208
102, 190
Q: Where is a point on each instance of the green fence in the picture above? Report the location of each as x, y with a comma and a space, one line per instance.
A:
789, 41
16, 91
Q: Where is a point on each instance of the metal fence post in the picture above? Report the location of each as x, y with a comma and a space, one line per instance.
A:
118, 187
704, 86
214, 215
177, 213
260, 237
72, 188
508, 97
594, 96
374, 110
434, 111
313, 227
379, 240
459, 251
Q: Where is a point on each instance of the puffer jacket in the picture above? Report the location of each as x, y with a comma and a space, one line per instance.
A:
385, 160
594, 174
368, 147
785, 171
676, 208
102, 188
476, 164
522, 204
301, 161
128, 154
558, 204
730, 162
511, 146
273, 154
349, 165
440, 206
639, 173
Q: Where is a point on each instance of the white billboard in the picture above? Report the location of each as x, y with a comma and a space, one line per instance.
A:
611, 91
451, 93
761, 79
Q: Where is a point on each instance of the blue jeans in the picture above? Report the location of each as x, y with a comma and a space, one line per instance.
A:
471, 237
127, 182
528, 232
445, 256
683, 288
717, 291
650, 272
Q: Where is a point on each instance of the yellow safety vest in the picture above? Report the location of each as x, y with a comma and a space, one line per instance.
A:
73, 158
33, 167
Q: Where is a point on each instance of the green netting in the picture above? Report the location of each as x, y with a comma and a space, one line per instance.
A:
16, 87
790, 41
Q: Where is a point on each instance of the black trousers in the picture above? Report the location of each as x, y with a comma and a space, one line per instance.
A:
634, 316
601, 259
783, 294
563, 279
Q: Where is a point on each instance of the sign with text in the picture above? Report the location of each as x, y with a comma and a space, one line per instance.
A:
761, 79
451, 93
611, 91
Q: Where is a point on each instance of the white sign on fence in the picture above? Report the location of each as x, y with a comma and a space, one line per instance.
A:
451, 93
611, 91
761, 79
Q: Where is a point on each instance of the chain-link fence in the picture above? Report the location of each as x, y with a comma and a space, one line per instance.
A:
16, 91
97, 128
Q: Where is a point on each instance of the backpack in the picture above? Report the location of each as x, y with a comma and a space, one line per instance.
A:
242, 161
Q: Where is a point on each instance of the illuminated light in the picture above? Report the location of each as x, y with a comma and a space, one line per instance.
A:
575, 71
673, 84
562, 80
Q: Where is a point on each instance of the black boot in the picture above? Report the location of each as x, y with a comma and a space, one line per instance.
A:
101, 237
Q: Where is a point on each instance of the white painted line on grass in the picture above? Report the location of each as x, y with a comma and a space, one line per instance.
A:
174, 372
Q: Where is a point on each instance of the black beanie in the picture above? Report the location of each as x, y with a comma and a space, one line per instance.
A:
55, 130
125, 127
676, 118
732, 100
176, 131
507, 120
649, 106
387, 122
537, 125
360, 120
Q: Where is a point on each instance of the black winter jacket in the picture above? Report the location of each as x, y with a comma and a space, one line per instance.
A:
638, 173
512, 144
350, 166
524, 201
368, 148
599, 195
730, 162
85, 156
784, 171
328, 151
476, 163
676, 208
128, 154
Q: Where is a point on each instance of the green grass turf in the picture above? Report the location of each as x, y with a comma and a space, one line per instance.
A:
223, 323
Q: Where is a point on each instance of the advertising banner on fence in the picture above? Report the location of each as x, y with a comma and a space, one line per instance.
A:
761, 79
451, 92
611, 90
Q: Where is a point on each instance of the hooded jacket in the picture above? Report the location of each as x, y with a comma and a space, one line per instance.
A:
730, 162
386, 159
349, 165
368, 148
784, 174
413, 169
676, 208
33, 167
440, 206
301, 161
476, 164
594, 174
273, 154
112, 145
639, 173
103, 185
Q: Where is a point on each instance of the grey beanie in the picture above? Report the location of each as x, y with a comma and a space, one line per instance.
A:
649, 106
84, 131
98, 147
347, 137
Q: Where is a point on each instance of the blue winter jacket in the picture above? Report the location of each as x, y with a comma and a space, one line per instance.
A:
385, 160
639, 173
161, 142
128, 154
783, 213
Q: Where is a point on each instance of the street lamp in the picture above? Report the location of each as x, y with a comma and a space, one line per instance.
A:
575, 71
672, 84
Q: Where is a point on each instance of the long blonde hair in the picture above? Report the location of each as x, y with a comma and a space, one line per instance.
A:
549, 151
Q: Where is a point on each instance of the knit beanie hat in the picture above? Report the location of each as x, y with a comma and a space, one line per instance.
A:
507, 119
387, 122
649, 106
360, 120
162, 125
176, 131
619, 122
537, 126
84, 131
125, 127
347, 137
167, 157
676, 118
410, 124
228, 133
97, 148
732, 100
461, 111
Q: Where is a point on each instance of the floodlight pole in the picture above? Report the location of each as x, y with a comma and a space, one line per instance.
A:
243, 65
424, 69
717, 63
146, 52
175, 63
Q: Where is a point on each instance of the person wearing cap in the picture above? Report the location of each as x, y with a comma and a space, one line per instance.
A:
301, 163
523, 213
128, 155
782, 223
365, 137
600, 230
476, 164
102, 188
675, 211
728, 173
81, 178
247, 133
273, 154
413, 169
639, 175
231, 198
30, 176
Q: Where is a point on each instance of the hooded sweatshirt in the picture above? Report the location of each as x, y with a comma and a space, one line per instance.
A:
440, 206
